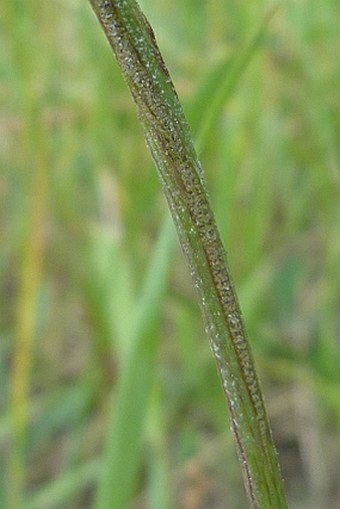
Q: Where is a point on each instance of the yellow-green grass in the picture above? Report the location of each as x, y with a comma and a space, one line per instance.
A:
79, 227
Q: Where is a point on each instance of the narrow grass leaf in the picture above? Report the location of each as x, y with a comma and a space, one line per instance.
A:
169, 140
129, 404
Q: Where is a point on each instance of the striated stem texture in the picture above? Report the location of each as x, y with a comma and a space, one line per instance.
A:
169, 139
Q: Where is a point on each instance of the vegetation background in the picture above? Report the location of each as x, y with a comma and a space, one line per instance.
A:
109, 390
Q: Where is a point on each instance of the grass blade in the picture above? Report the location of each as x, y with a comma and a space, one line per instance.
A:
169, 140
130, 403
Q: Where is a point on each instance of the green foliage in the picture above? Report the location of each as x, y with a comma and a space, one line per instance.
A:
69, 133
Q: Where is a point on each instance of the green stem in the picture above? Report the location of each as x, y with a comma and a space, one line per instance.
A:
169, 139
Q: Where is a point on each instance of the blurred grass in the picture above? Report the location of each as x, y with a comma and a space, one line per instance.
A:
79, 224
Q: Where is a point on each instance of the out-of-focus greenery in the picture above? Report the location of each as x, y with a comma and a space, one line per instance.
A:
81, 211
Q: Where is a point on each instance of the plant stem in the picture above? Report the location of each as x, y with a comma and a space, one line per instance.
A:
170, 142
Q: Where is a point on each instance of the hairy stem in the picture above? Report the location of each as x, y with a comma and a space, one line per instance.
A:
169, 139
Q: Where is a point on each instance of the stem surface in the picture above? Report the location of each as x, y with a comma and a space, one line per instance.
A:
170, 142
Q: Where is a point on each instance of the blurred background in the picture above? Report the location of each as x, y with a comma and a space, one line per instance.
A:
110, 397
